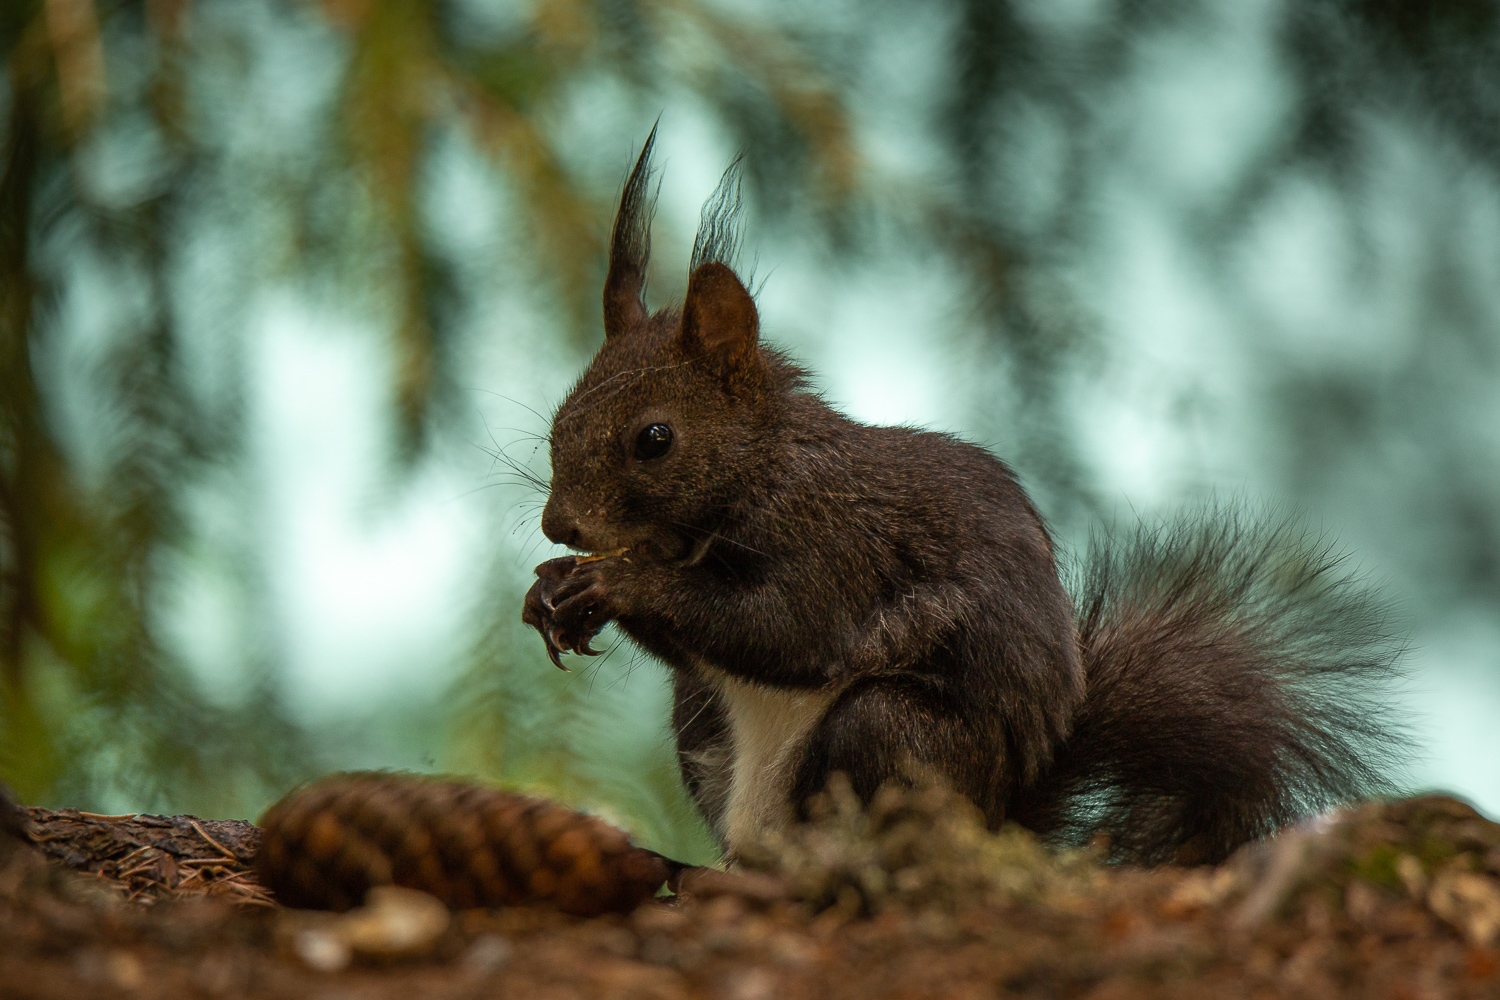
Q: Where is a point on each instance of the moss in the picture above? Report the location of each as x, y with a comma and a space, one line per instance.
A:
1378, 866
913, 847
1433, 851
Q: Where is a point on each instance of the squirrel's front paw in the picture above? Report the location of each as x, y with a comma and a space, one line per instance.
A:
569, 604
584, 603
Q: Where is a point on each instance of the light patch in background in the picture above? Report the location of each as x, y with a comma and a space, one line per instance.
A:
876, 341
204, 613
1207, 100
1154, 415
364, 575
1453, 699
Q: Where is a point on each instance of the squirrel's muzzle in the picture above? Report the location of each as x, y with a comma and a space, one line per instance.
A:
560, 524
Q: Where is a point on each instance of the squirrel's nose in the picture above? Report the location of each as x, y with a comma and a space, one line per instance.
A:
558, 524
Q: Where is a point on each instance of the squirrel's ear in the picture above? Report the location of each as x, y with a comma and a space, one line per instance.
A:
630, 249
719, 320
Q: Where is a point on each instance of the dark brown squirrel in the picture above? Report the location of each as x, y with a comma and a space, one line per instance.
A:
835, 597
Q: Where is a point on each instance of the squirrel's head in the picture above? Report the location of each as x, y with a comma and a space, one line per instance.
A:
652, 445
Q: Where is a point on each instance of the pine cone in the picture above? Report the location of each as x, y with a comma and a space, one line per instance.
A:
327, 843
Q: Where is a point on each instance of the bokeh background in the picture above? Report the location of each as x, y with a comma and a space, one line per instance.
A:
288, 289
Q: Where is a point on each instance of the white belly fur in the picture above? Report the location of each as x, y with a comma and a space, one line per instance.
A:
767, 726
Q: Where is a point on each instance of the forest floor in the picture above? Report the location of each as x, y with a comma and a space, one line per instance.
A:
1388, 900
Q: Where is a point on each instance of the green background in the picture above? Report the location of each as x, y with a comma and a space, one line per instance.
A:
288, 289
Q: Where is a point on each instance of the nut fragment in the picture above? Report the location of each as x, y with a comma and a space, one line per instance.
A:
322, 950
394, 923
597, 556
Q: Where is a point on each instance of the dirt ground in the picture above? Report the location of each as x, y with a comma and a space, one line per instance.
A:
1395, 900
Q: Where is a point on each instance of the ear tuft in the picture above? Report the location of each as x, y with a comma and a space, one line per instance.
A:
718, 236
719, 320
630, 248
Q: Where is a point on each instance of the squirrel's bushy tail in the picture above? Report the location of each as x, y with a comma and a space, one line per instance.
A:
1233, 686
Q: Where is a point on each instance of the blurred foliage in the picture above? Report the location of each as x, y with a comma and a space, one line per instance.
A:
92, 701
96, 707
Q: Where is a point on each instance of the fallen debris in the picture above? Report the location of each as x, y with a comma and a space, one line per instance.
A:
908, 899
146, 858
394, 924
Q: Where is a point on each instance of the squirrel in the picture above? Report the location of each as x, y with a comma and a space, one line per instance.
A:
877, 601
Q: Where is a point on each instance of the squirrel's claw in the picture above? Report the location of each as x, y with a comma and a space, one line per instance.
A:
555, 649
537, 612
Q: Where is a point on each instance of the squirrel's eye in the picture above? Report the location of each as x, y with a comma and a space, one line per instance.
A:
653, 442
